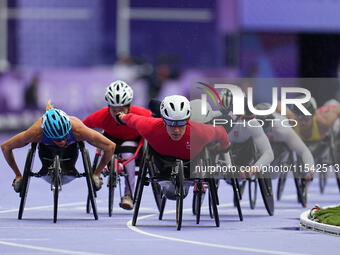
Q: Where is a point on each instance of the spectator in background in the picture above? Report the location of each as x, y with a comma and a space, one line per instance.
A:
165, 71
31, 99
3, 101
125, 69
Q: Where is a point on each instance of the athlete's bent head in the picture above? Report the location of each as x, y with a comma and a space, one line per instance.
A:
56, 125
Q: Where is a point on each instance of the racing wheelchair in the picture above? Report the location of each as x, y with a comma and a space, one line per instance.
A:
325, 153
285, 157
245, 154
177, 176
115, 170
55, 176
220, 158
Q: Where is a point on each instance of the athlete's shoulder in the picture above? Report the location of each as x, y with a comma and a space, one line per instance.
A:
140, 110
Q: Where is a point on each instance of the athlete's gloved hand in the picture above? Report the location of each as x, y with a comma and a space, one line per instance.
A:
119, 118
16, 184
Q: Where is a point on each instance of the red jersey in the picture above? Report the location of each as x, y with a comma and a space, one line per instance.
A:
326, 108
102, 119
154, 131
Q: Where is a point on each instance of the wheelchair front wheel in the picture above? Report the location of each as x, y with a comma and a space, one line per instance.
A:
265, 183
179, 182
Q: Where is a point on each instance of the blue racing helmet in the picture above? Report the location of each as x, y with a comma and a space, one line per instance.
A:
55, 124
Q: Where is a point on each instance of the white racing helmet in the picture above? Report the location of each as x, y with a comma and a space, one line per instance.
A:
118, 93
196, 114
176, 110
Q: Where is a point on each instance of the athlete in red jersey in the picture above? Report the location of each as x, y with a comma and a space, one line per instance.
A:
170, 135
118, 97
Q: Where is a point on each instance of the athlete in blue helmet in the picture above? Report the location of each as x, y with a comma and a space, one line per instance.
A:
57, 133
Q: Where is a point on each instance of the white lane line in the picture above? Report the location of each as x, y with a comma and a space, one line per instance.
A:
44, 207
40, 248
228, 247
24, 239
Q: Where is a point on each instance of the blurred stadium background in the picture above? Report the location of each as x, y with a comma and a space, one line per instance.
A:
69, 51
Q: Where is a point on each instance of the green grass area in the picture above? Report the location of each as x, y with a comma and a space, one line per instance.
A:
329, 216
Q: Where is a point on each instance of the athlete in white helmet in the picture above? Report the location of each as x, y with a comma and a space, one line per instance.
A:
174, 135
247, 128
118, 97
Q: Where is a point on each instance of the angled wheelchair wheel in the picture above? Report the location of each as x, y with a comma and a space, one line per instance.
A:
112, 182
160, 217
237, 198
179, 191
139, 191
265, 183
252, 189
212, 193
322, 181
89, 182
334, 157
211, 214
281, 185
194, 198
26, 178
199, 202
301, 190
337, 177
157, 193
88, 204
56, 185
241, 187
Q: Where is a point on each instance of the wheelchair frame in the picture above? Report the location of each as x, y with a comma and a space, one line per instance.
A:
55, 171
264, 181
301, 187
176, 177
329, 142
114, 173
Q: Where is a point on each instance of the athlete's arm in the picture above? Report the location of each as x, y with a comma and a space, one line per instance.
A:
289, 113
263, 145
31, 135
141, 123
295, 143
83, 133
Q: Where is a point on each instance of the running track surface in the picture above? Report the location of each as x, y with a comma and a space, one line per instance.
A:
78, 233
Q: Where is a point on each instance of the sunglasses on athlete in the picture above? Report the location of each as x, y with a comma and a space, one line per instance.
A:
60, 139
175, 123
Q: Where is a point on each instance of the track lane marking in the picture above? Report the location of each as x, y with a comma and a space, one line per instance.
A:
228, 247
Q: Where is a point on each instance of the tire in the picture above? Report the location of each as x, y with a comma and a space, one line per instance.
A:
157, 193
212, 191
252, 189
88, 204
211, 214
237, 198
337, 177
198, 202
139, 192
281, 185
194, 198
57, 183
322, 181
160, 217
267, 193
179, 182
26, 179
88, 174
111, 181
